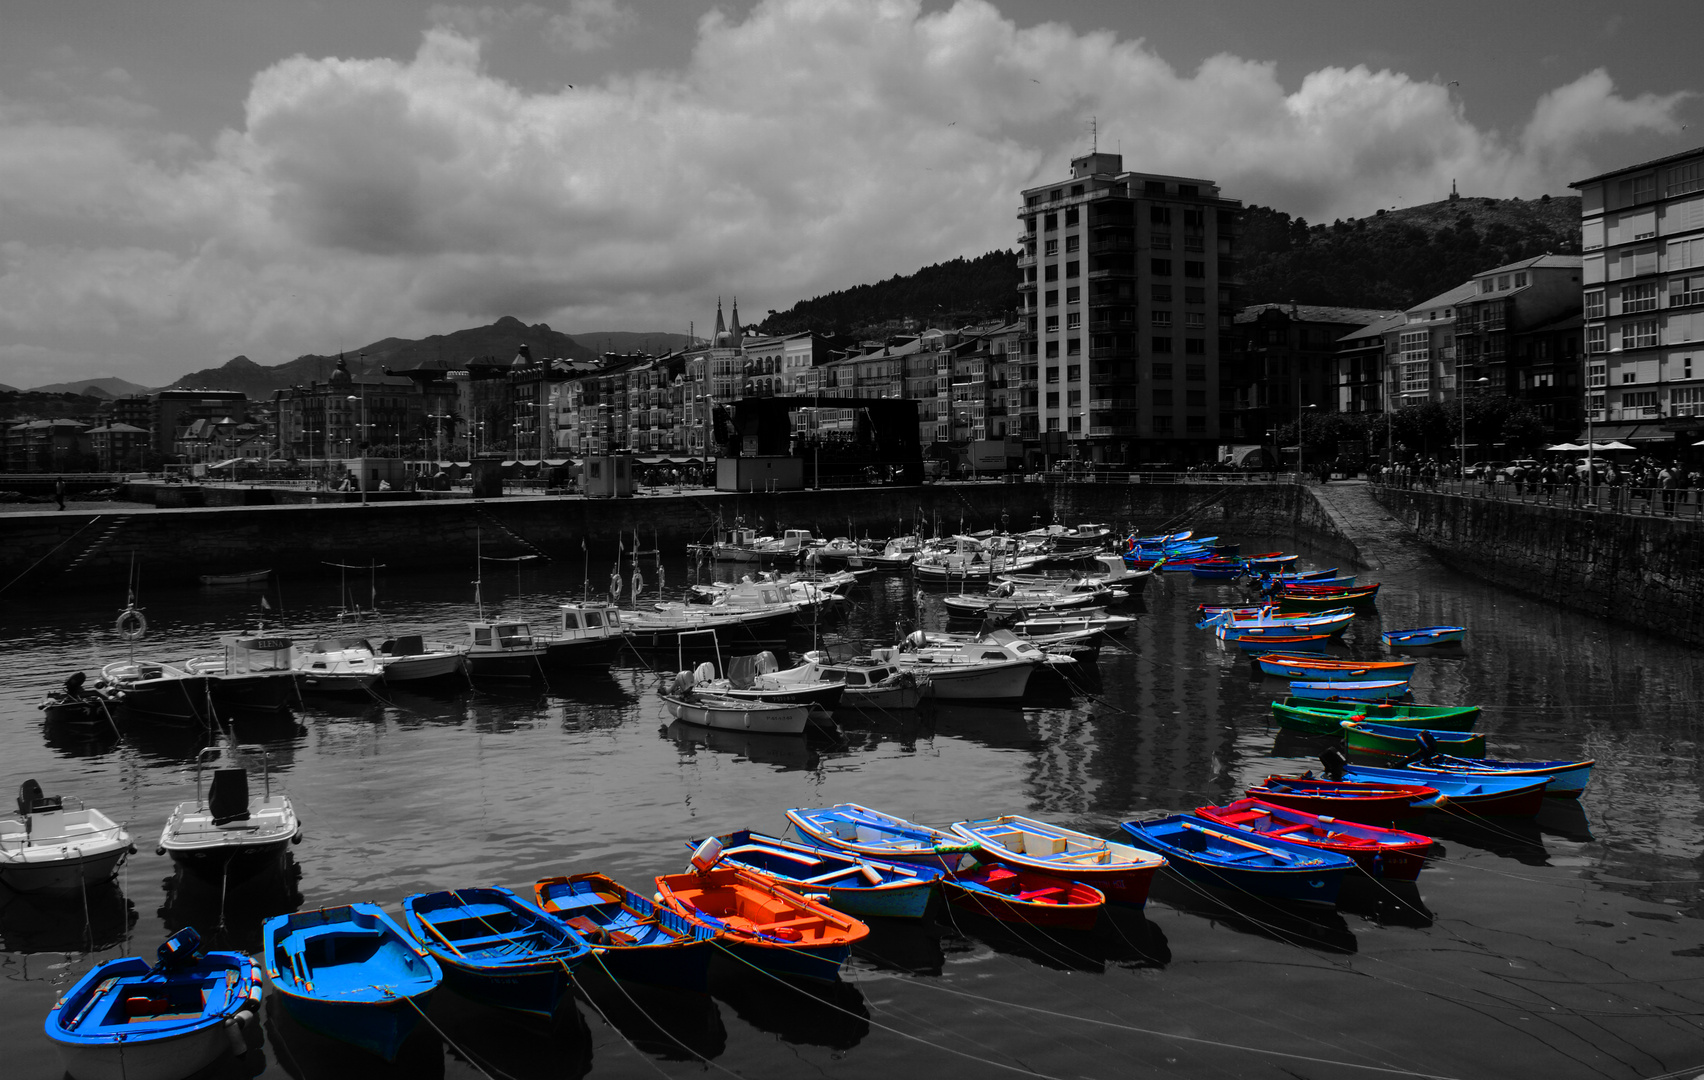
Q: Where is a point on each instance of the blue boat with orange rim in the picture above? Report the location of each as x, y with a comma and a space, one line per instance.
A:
632, 936
496, 948
1216, 854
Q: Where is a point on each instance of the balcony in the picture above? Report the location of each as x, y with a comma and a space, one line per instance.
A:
1106, 273
1026, 286
1026, 239
1109, 352
1025, 260
1103, 247
1113, 431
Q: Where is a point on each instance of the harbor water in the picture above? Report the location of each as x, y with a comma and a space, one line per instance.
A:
1571, 945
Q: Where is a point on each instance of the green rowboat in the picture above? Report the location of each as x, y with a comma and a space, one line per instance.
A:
1313, 717
1389, 740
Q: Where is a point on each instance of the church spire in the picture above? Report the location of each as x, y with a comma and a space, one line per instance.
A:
739, 334
721, 327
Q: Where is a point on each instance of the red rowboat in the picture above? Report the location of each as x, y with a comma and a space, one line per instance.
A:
1375, 804
1025, 896
1381, 852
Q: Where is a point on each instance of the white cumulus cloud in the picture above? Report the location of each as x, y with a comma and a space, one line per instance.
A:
807, 146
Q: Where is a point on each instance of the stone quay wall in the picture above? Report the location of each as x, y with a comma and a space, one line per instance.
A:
1640, 571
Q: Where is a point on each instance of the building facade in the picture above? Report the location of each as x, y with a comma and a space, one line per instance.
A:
1642, 235
1284, 357
1129, 282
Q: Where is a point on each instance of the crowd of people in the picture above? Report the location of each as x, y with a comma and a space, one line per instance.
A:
1661, 484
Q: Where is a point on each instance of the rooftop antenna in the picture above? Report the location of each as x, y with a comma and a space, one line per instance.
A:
1094, 135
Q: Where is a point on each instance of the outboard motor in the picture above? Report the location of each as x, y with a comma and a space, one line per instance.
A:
1428, 747
74, 684
1334, 761
178, 951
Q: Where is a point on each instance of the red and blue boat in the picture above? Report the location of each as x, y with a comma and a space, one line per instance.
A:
496, 948
1381, 852
1482, 796
633, 937
1027, 897
763, 923
849, 883
1372, 803
1121, 871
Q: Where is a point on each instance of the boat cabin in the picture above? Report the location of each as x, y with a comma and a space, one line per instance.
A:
589, 620
796, 539
498, 635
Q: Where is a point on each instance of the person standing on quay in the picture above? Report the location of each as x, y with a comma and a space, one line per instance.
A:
1572, 477
59, 491
1667, 479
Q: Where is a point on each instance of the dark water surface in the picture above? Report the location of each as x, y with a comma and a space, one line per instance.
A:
1570, 946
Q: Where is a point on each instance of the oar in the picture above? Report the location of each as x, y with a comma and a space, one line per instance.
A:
1239, 840
439, 934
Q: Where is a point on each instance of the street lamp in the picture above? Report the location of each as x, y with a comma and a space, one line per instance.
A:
1461, 392
1299, 409
359, 432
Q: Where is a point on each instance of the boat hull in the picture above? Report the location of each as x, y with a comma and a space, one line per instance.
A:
69, 874
378, 1028
264, 693
768, 631
786, 720
678, 954
1379, 852
598, 652
1482, 796
410, 669
1566, 779
1314, 882
693, 895
1316, 717
1337, 690
976, 682
1424, 638
1371, 804
1390, 740
513, 664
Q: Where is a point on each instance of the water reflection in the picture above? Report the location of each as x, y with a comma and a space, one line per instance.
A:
497, 1042
909, 946
1311, 925
228, 911
1389, 903
665, 1022
831, 1014
93, 920
308, 1055
786, 753
1002, 727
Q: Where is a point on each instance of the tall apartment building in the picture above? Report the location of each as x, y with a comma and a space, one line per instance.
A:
1129, 283
1642, 234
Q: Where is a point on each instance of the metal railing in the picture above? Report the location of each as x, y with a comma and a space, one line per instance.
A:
1139, 476
1592, 498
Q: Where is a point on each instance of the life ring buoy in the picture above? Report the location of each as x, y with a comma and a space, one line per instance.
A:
131, 624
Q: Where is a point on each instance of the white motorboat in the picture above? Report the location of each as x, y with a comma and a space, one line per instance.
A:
336, 665
842, 548
49, 848
747, 595
228, 829
1094, 620
686, 704
587, 635
1111, 572
411, 658
896, 554
991, 668
250, 673
870, 683
502, 648
156, 690
758, 678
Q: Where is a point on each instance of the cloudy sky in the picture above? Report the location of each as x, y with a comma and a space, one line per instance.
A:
182, 181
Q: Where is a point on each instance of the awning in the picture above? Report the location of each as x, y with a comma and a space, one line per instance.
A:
1565, 446
555, 462
1630, 433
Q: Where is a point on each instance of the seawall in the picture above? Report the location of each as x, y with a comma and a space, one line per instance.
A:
1640, 571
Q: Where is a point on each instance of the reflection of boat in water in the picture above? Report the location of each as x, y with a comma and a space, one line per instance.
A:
39, 923
1003, 727
663, 1021
305, 1054
498, 1042
831, 1014
230, 913
788, 752
1306, 924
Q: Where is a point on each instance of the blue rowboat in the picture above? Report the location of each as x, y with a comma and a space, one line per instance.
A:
633, 937
1567, 779
1338, 690
126, 1018
1490, 796
1424, 636
1297, 640
496, 948
351, 974
1234, 629
1272, 562
1328, 575
1215, 572
1166, 538
848, 827
1222, 855
847, 883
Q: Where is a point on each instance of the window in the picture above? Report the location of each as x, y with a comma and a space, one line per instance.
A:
1052, 374
1639, 298
1053, 324
1074, 423
1051, 298
1072, 268
1195, 372
1073, 397
1070, 217
1488, 285
1195, 320
1055, 194
1050, 273
1162, 425
1642, 188
1685, 178
1195, 269
1161, 345
1162, 319
1162, 399
1163, 372
1686, 291
1073, 294
1053, 350
1521, 280
1597, 339
1072, 243
1643, 261
1683, 254
1051, 247
1638, 399
1597, 374
1639, 335
1073, 346
1195, 346
1050, 222
1160, 294
1594, 303
1076, 189
1195, 425
1194, 294
1159, 215
1160, 241
1502, 283
1160, 267
1194, 219
1074, 373
1053, 399
1053, 423
1197, 398
1073, 320
1154, 187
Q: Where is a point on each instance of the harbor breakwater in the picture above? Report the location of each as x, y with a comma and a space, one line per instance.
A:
1640, 571
47, 551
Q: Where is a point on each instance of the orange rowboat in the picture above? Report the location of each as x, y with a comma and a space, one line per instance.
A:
762, 923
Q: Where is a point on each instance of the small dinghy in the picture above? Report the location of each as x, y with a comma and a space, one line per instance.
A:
1120, 871
1394, 740
78, 703
762, 922
1381, 852
1482, 796
1336, 690
848, 827
1371, 803
351, 974
1027, 897
1424, 637
1329, 670
1324, 717
126, 1019
844, 882
48, 848
1220, 855
496, 948
633, 937
1564, 779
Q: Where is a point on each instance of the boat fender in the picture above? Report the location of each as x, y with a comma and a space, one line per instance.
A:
131, 850
234, 1033
869, 873
704, 672
707, 854
296, 837
131, 624
160, 851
